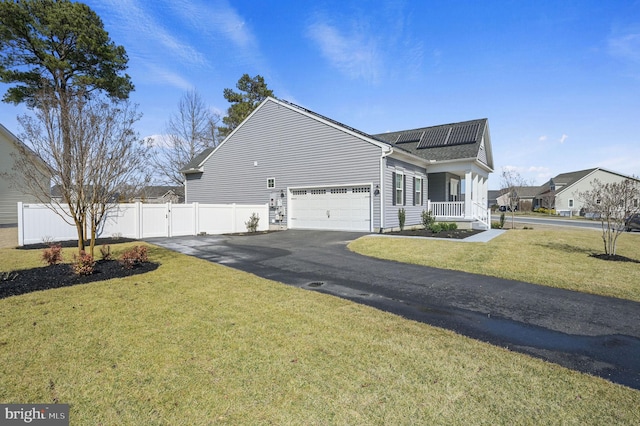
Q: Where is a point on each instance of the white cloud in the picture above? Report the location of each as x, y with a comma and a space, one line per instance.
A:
537, 169
625, 46
563, 138
355, 53
149, 36
215, 18
165, 76
542, 138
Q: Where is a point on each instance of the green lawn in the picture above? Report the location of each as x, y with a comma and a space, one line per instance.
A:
195, 343
556, 258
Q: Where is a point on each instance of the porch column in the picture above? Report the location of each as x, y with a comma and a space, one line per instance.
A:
484, 193
468, 194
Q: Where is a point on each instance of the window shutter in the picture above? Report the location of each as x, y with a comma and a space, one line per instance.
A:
404, 190
393, 190
414, 190
424, 193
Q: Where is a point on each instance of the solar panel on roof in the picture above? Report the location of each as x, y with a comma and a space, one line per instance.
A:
434, 137
449, 136
463, 134
409, 137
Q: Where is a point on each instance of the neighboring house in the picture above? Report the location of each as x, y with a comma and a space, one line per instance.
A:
317, 173
564, 188
161, 194
493, 195
524, 194
12, 190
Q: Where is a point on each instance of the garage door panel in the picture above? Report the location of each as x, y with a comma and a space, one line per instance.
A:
338, 208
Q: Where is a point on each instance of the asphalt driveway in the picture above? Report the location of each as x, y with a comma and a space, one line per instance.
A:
593, 334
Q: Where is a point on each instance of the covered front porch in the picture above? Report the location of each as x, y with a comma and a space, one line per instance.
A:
460, 197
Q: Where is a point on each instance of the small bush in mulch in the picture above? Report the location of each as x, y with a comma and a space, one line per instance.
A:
25, 281
614, 258
457, 234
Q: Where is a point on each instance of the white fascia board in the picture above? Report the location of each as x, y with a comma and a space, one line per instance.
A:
410, 158
459, 163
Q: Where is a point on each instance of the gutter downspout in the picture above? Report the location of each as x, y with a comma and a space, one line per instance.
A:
382, 191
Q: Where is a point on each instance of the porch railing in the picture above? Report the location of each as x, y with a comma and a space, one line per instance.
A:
447, 208
456, 209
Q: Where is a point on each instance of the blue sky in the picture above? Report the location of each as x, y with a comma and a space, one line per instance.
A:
559, 81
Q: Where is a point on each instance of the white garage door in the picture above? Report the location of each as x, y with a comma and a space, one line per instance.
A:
345, 208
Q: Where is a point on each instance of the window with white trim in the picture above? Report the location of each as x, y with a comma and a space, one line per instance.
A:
570, 202
271, 183
399, 189
417, 191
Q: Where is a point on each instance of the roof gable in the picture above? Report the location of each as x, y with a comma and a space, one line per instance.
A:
10, 137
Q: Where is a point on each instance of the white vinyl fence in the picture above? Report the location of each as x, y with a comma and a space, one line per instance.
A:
38, 223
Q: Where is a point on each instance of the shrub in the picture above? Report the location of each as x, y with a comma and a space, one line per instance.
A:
496, 225
52, 255
134, 256
435, 227
252, 224
452, 226
502, 219
402, 216
83, 264
427, 219
105, 252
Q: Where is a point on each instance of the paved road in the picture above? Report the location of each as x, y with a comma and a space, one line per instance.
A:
540, 220
592, 334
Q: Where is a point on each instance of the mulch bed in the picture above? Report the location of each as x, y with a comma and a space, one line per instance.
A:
457, 234
61, 275
14, 283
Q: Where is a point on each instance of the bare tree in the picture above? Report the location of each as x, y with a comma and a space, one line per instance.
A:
92, 161
613, 203
189, 132
512, 181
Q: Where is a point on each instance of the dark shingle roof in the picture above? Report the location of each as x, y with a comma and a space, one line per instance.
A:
569, 178
443, 142
196, 164
157, 191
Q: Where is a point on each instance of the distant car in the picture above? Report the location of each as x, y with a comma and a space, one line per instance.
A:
632, 223
505, 208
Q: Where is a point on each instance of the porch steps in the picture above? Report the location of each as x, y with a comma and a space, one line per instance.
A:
478, 225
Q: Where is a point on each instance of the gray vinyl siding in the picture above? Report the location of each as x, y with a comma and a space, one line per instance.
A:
412, 213
9, 194
291, 147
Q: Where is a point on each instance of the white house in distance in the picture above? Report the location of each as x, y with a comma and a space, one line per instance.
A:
563, 189
11, 194
317, 173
